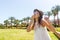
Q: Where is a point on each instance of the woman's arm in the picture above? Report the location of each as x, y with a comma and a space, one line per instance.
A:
30, 26
49, 25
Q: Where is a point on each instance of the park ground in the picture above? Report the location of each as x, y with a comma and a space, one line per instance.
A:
21, 34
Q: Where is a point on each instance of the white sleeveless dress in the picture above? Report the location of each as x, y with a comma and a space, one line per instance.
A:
41, 33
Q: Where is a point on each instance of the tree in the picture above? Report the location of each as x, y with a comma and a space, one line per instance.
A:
16, 22
55, 11
24, 19
27, 19
54, 14
11, 20
6, 22
2, 26
21, 21
48, 14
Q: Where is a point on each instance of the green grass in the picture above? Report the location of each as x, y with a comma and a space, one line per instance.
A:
19, 34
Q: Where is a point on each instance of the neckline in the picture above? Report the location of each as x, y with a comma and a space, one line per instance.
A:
36, 23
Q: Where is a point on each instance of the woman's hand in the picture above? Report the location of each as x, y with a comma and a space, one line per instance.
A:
58, 34
30, 27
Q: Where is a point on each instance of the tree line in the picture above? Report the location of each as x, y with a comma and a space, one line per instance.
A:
12, 22
55, 12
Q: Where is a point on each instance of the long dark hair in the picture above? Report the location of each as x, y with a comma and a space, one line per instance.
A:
40, 17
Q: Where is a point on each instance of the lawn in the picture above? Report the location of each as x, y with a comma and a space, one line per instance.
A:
19, 34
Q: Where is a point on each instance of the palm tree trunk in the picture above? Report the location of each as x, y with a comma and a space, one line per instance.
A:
58, 19
6, 25
11, 23
54, 21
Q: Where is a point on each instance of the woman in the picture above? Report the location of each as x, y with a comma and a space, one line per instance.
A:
40, 26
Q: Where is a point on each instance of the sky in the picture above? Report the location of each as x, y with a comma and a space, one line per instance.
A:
24, 8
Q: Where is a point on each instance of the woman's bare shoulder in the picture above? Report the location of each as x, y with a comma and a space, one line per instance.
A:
44, 22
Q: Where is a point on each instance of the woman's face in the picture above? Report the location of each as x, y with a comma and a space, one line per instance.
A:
36, 15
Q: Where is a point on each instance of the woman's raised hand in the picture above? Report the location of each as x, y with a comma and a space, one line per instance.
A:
58, 34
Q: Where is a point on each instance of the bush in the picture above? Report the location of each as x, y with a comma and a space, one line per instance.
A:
56, 25
2, 26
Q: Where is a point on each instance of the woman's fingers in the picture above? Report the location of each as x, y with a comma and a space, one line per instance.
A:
58, 34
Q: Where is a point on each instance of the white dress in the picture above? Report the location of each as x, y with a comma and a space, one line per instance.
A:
41, 33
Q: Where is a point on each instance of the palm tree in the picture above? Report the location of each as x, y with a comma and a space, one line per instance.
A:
54, 14
11, 20
21, 21
48, 14
27, 19
6, 22
55, 11
24, 19
16, 22
2, 26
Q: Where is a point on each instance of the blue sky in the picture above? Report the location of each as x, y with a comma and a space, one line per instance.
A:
23, 8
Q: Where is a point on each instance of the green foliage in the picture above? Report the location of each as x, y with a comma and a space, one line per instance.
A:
48, 13
20, 34
23, 25
13, 23
55, 11
2, 26
58, 29
56, 25
6, 23
11, 20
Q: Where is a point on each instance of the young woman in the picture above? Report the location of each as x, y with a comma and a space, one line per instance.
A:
40, 26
